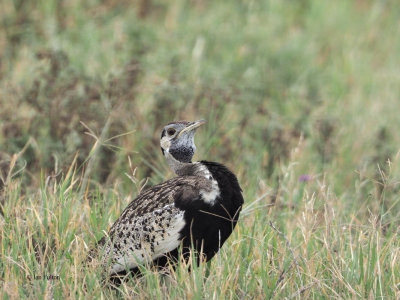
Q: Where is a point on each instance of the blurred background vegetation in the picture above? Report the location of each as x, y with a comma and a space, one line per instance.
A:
267, 75
308, 86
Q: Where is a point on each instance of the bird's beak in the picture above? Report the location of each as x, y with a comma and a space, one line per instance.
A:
192, 126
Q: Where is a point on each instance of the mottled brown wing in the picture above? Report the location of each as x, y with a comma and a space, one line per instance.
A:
159, 196
150, 225
146, 238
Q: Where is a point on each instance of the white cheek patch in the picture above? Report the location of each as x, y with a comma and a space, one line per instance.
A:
165, 143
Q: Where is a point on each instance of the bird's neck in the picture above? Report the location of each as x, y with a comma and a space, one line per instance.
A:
178, 167
186, 169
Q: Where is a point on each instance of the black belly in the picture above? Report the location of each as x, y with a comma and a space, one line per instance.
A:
207, 231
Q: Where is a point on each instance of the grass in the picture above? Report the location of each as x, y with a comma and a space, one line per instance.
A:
289, 88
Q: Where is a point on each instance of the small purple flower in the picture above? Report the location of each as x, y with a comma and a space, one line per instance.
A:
304, 178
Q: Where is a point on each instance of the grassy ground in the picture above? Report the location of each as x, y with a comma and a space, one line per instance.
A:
302, 102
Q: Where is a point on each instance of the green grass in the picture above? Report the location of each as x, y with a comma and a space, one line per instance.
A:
289, 88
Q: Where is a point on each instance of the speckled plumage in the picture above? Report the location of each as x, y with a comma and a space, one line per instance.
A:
200, 208
149, 220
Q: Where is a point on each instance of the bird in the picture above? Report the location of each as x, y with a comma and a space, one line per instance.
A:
197, 210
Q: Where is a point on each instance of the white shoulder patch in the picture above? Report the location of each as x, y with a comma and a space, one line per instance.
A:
211, 196
208, 195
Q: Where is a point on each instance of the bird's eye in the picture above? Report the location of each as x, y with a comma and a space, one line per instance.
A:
171, 131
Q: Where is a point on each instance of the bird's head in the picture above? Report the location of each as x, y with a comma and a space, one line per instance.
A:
177, 141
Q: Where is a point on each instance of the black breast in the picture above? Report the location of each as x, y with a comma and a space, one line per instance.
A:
208, 226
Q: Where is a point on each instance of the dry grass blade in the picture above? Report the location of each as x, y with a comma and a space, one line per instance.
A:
291, 251
93, 154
